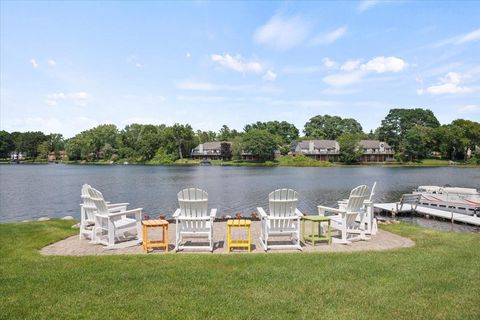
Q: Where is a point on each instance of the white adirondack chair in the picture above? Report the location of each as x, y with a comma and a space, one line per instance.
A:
345, 218
368, 218
192, 218
112, 226
88, 210
283, 218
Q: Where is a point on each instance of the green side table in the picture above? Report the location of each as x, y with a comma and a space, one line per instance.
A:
312, 237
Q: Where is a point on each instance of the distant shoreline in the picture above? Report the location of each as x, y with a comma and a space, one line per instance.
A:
190, 163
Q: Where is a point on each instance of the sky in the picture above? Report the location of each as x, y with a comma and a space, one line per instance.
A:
68, 66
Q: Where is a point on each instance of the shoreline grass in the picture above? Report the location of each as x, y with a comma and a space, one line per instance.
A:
438, 278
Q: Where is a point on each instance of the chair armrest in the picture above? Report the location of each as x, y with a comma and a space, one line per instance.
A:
117, 209
123, 213
176, 213
262, 212
213, 213
328, 209
124, 204
298, 213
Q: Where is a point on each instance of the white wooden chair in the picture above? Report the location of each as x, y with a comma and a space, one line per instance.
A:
283, 218
345, 218
113, 226
88, 210
368, 218
87, 214
192, 218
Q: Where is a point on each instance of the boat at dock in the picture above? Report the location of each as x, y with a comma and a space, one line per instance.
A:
451, 199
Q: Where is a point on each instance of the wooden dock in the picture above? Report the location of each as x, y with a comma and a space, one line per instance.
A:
423, 210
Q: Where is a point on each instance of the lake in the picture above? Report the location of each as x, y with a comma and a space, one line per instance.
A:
33, 191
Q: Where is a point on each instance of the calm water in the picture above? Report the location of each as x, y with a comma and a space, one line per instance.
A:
33, 191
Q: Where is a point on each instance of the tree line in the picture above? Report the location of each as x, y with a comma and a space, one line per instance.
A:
414, 134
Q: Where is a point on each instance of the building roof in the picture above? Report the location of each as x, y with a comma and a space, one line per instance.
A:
215, 145
373, 144
319, 144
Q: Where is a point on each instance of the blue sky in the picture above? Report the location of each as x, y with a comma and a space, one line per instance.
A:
68, 66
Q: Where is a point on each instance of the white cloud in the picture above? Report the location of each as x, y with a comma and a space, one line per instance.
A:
270, 76
354, 71
449, 84
328, 63
283, 32
188, 55
461, 39
330, 37
350, 65
471, 108
51, 62
237, 63
364, 5
469, 37
78, 98
343, 79
385, 64
34, 63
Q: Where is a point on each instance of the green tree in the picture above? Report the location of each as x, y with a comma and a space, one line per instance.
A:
28, 142
225, 134
416, 143
286, 131
452, 142
226, 151
398, 121
43, 150
261, 143
330, 127
178, 139
350, 149
6, 144
205, 136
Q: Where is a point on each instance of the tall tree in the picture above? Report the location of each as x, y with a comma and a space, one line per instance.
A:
226, 151
416, 143
180, 138
331, 127
350, 149
6, 144
398, 121
286, 131
261, 143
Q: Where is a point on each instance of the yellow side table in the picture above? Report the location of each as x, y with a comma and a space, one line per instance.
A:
238, 223
150, 244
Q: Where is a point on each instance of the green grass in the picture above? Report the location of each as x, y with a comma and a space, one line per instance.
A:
436, 279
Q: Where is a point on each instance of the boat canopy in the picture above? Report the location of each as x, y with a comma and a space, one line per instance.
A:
437, 189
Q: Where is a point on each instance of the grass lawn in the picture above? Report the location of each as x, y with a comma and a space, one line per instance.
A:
439, 278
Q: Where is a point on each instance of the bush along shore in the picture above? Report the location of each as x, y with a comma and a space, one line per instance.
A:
437, 278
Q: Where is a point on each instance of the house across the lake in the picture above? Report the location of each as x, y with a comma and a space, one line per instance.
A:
323, 150
209, 151
376, 151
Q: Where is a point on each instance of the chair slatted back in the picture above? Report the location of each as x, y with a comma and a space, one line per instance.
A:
282, 203
355, 203
193, 203
98, 201
88, 206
